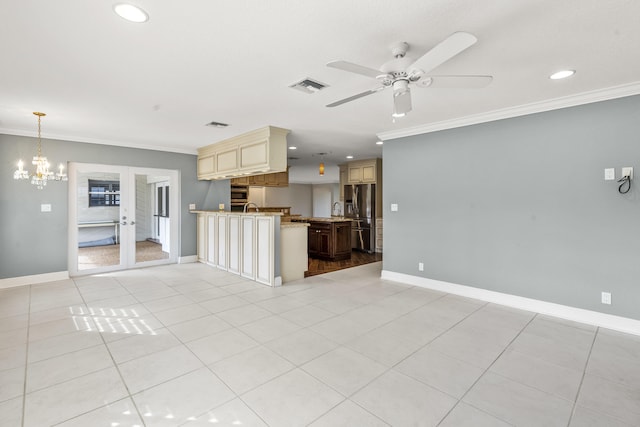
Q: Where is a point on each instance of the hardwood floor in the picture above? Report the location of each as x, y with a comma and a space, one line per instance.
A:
318, 266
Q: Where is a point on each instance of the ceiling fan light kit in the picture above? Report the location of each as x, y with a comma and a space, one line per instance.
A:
403, 71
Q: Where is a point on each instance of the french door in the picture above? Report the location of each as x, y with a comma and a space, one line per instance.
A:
122, 217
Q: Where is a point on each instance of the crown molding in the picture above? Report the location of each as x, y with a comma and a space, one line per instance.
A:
521, 110
181, 150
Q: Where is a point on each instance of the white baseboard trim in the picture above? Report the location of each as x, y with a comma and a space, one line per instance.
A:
609, 321
33, 279
187, 259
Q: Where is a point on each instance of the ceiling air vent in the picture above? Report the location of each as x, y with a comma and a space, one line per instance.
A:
308, 86
217, 125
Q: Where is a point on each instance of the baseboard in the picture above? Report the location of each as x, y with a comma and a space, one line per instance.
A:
609, 321
187, 259
33, 279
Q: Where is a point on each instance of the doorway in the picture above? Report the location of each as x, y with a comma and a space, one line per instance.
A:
121, 217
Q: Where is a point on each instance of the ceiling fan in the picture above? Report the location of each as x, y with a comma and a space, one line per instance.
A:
403, 71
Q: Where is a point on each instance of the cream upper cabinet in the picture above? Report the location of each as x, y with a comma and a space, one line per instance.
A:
253, 153
227, 161
343, 180
362, 172
206, 165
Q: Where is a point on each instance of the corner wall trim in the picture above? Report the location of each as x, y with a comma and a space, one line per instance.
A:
609, 321
187, 259
520, 110
33, 279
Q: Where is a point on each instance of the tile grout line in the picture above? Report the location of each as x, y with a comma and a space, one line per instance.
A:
485, 372
584, 373
26, 360
344, 345
115, 365
397, 363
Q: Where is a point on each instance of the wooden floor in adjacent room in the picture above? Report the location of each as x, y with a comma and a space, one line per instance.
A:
318, 266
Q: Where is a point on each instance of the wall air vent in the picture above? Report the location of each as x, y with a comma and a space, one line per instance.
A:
217, 124
293, 158
308, 85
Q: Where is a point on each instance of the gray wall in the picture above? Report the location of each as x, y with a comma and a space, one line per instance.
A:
297, 196
520, 206
32, 242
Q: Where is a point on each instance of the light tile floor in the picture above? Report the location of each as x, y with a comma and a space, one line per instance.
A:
192, 345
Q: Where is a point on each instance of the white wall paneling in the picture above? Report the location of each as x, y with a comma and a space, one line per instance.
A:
222, 241
234, 244
248, 269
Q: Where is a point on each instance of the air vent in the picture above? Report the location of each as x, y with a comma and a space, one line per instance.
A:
217, 125
293, 158
308, 86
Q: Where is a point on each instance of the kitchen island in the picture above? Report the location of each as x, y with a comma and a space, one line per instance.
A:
255, 245
328, 238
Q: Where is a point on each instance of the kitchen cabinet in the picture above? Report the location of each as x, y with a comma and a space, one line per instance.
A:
343, 180
329, 240
278, 179
242, 244
362, 172
253, 153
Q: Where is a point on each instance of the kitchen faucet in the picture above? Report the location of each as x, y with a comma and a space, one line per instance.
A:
246, 205
333, 208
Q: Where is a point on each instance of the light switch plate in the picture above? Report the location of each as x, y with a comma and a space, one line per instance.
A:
609, 174
394, 207
45, 207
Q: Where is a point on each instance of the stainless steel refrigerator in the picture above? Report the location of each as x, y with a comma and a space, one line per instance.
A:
360, 206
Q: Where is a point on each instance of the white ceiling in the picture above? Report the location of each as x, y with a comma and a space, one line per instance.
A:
155, 85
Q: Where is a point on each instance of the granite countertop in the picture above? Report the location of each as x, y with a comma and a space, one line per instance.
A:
321, 219
294, 225
238, 213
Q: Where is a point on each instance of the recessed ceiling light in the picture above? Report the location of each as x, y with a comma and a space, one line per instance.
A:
130, 12
293, 148
379, 143
349, 157
562, 74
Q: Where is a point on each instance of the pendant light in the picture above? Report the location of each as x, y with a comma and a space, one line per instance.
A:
42, 174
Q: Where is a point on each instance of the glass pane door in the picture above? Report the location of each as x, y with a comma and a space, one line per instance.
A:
121, 217
99, 213
152, 223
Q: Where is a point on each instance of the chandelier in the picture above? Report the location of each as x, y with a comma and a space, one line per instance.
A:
42, 174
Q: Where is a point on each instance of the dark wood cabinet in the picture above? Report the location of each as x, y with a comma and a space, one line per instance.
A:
330, 240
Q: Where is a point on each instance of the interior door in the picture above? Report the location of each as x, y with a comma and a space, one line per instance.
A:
121, 217
153, 228
97, 214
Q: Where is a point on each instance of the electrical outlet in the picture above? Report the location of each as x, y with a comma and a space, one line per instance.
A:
421, 266
192, 206
627, 172
45, 207
394, 207
609, 174
606, 298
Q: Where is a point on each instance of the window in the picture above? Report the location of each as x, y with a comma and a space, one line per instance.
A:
104, 193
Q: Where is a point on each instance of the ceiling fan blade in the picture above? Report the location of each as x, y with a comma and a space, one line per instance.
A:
462, 82
354, 97
443, 51
355, 68
401, 103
